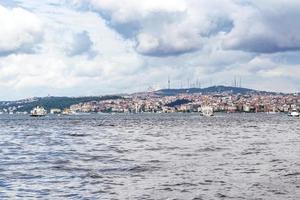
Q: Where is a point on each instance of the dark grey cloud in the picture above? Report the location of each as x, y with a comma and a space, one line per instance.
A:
81, 43
262, 44
266, 27
24, 49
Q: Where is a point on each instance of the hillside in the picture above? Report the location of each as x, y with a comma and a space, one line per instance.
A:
210, 90
66, 102
51, 102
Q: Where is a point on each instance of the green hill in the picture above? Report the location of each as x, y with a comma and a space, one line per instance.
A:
51, 102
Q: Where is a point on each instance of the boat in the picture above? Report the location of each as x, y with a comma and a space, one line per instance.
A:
38, 111
294, 113
207, 111
272, 111
67, 111
54, 111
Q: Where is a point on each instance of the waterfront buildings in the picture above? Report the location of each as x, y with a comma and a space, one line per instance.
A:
155, 102
192, 103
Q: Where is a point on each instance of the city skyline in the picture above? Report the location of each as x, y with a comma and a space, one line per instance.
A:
98, 47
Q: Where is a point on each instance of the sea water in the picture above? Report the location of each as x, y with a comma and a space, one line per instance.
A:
150, 156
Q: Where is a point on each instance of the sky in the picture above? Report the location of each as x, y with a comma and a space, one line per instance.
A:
98, 47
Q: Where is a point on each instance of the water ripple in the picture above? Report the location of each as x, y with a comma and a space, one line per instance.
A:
150, 156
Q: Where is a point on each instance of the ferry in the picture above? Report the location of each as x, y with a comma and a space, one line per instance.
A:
38, 111
207, 111
294, 113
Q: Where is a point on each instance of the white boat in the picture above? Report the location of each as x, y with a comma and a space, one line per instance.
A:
207, 111
67, 111
38, 111
54, 111
294, 113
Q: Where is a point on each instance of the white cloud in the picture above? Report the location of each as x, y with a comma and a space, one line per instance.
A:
267, 67
104, 46
78, 50
20, 30
181, 26
164, 28
132, 10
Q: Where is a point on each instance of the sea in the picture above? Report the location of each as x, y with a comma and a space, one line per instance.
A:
150, 156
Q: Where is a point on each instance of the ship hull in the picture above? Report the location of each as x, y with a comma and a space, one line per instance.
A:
37, 115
